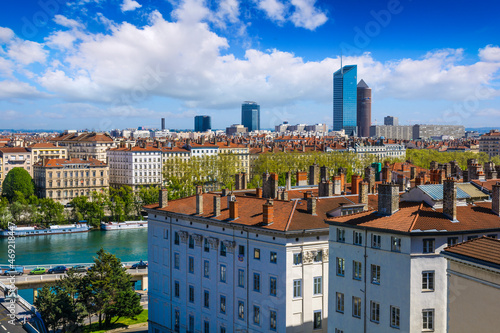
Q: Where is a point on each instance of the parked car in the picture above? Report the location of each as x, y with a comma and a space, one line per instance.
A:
57, 269
78, 269
140, 265
12, 272
38, 271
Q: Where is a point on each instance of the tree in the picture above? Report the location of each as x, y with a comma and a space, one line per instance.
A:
5, 215
107, 290
20, 180
46, 304
51, 211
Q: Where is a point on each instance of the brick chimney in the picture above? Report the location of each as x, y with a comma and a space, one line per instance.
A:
355, 181
311, 205
388, 198
258, 192
301, 178
268, 212
337, 184
323, 173
288, 180
307, 194
495, 198
450, 198
216, 205
199, 200
163, 200
233, 209
363, 192
313, 174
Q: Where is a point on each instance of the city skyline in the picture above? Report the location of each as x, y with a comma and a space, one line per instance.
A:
119, 64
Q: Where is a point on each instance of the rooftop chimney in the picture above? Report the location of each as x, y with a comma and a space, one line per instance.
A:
495, 199
311, 205
199, 200
363, 192
450, 198
258, 192
388, 198
216, 206
355, 181
233, 209
268, 213
163, 198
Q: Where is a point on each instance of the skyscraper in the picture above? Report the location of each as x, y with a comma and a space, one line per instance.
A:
344, 99
250, 116
364, 109
391, 121
162, 124
202, 123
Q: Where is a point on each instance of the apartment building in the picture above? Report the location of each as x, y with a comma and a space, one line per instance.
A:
489, 143
65, 179
242, 153
86, 145
387, 272
47, 150
239, 264
135, 166
14, 157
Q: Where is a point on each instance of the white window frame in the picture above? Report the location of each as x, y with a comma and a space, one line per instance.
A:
297, 288
428, 280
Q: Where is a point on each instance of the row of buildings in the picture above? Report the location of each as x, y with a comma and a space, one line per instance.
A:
315, 259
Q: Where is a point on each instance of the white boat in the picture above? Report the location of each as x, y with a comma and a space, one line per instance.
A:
51, 230
124, 225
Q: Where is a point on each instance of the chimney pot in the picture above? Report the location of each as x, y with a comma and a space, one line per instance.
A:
388, 198
233, 209
450, 198
268, 212
163, 198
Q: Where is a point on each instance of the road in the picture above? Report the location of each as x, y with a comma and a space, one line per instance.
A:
5, 327
143, 329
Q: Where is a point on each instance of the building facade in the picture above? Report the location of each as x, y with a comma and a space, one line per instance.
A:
391, 121
14, 157
489, 143
250, 116
86, 145
41, 151
364, 109
345, 100
424, 132
396, 132
65, 179
202, 123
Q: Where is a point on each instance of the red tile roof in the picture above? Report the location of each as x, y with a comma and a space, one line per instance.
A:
59, 162
485, 249
7, 150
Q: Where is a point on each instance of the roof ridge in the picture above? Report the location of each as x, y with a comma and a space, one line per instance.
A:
416, 217
291, 215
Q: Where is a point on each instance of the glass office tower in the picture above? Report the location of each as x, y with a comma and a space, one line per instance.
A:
250, 116
202, 123
345, 82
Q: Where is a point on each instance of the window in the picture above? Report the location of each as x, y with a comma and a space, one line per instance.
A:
206, 326
297, 258
206, 269
256, 254
340, 235
177, 321
241, 250
297, 288
319, 256
374, 312
472, 237
394, 317
206, 245
256, 315
428, 320
223, 249
241, 310
191, 242
340, 266
206, 299
177, 261
356, 273
222, 329
428, 245
241, 278
358, 238
317, 285
428, 281
191, 294
340, 302
191, 324
452, 241
222, 304
191, 265
177, 289
256, 282
272, 324
494, 236
396, 244
223, 273
356, 307
338, 330
273, 258
375, 274
317, 319
176, 238
272, 286
376, 241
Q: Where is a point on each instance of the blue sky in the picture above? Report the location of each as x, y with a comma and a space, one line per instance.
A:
100, 64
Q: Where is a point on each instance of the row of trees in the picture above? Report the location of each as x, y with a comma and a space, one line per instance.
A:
104, 292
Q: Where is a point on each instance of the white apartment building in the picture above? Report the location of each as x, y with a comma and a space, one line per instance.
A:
387, 273
238, 264
134, 166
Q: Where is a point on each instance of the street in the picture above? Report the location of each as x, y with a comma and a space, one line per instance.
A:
5, 327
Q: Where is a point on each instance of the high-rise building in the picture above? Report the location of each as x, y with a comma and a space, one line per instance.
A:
202, 123
162, 124
364, 108
250, 116
391, 121
345, 82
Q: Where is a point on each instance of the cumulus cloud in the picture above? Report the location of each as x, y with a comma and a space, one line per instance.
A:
17, 89
274, 9
306, 15
6, 35
27, 52
490, 53
191, 11
68, 23
129, 5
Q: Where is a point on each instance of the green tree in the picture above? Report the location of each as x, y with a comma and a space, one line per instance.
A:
46, 303
20, 180
51, 211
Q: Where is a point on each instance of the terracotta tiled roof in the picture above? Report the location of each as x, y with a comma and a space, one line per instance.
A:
488, 185
59, 162
43, 145
135, 148
485, 249
7, 150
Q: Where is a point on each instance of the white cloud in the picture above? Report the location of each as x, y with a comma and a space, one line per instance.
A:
129, 5
10, 115
274, 9
306, 15
18, 89
61, 40
6, 35
191, 11
490, 53
228, 10
27, 52
68, 23
6, 67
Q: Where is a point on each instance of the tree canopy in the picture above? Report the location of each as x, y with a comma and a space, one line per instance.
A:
19, 180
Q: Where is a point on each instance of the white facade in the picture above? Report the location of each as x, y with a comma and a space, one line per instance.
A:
134, 167
274, 269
